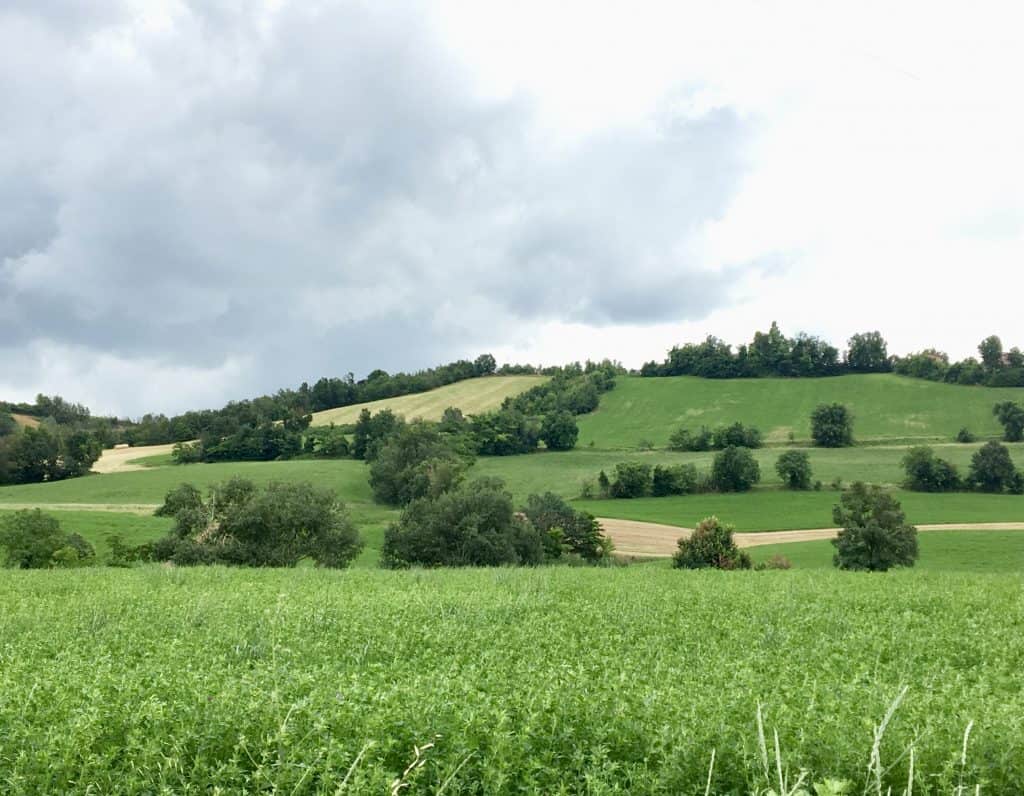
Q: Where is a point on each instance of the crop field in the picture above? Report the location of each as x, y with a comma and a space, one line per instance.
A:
544, 681
885, 407
471, 396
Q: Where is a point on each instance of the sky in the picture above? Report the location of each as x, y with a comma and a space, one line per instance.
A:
210, 200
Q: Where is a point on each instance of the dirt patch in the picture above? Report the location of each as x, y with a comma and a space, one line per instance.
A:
26, 421
143, 509
646, 539
119, 460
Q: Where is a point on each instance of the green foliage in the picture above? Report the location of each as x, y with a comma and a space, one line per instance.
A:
736, 435
734, 470
505, 433
34, 540
867, 353
371, 431
926, 472
964, 435
32, 455
187, 452
1011, 416
7, 424
474, 525
992, 470
832, 426
794, 468
632, 480
683, 439
566, 532
875, 535
326, 442
991, 351
415, 461
241, 525
674, 479
711, 545
559, 431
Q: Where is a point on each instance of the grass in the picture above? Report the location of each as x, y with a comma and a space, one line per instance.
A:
941, 551
471, 396
95, 526
508, 681
885, 407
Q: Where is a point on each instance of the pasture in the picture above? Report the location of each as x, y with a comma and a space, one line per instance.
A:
886, 407
508, 681
472, 396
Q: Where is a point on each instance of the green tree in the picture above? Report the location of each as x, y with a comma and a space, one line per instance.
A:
683, 439
400, 473
371, 430
867, 353
875, 535
1011, 417
34, 540
565, 530
991, 351
832, 426
794, 468
7, 424
711, 545
559, 431
926, 472
484, 365
632, 480
992, 469
674, 479
734, 470
474, 525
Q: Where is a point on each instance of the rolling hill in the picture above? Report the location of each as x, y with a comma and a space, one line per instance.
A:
887, 408
471, 396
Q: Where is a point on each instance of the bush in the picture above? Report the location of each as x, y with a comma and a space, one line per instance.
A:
874, 536
187, 452
678, 479
559, 431
711, 545
832, 426
416, 460
506, 432
777, 561
371, 431
794, 468
474, 525
34, 540
241, 525
326, 442
684, 440
1011, 416
928, 473
566, 531
965, 435
992, 469
734, 470
737, 436
632, 480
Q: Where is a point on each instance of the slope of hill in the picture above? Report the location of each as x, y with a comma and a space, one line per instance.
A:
886, 407
26, 421
471, 396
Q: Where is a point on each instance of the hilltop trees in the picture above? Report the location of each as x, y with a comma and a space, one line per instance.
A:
832, 426
867, 353
875, 535
244, 526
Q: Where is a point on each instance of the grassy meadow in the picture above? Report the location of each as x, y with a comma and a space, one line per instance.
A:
886, 408
599, 681
472, 396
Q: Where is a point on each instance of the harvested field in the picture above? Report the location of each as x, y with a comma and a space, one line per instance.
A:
120, 460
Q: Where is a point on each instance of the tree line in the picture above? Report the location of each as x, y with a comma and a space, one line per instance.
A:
772, 353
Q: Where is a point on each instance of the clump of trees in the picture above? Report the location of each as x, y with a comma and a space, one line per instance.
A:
996, 368
711, 545
794, 468
735, 435
732, 470
47, 453
34, 540
1011, 416
832, 426
242, 525
992, 470
476, 524
874, 534
417, 460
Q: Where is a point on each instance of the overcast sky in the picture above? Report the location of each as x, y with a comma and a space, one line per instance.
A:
209, 200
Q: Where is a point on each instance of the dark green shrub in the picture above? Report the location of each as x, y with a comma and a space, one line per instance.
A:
710, 545
794, 468
737, 436
559, 431
566, 532
928, 473
832, 426
734, 470
1011, 416
678, 479
632, 480
34, 540
992, 469
965, 435
874, 536
684, 440
415, 460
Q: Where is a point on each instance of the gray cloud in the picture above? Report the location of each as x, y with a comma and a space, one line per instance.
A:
317, 191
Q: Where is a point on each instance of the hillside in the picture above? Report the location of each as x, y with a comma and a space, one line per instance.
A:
886, 407
471, 396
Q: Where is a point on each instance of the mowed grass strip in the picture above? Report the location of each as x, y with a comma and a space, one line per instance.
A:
509, 681
885, 407
471, 396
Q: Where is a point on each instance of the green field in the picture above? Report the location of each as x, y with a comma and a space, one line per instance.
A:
95, 526
941, 551
531, 681
885, 407
471, 396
